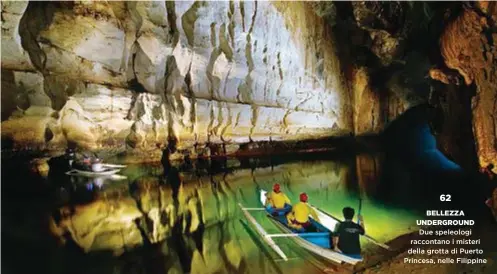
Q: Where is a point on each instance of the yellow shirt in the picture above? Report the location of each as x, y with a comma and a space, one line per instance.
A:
301, 212
278, 200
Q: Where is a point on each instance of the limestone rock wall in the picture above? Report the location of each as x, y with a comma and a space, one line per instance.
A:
467, 47
132, 74
389, 52
377, 58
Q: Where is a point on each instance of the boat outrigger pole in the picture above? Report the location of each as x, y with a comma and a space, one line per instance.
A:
266, 236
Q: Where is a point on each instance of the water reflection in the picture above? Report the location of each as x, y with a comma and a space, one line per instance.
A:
185, 218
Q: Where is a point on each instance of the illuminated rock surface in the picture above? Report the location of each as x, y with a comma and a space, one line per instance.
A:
234, 72
13, 54
115, 75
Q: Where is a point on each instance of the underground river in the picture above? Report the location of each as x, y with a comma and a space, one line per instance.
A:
145, 222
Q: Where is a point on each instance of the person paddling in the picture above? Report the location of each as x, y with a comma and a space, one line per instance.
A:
346, 235
277, 201
298, 218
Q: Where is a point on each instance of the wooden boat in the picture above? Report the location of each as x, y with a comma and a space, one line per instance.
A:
314, 242
105, 172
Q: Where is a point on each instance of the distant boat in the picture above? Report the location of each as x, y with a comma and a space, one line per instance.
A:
105, 172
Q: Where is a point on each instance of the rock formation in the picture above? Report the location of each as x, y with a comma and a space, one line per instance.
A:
129, 76
115, 75
467, 46
390, 50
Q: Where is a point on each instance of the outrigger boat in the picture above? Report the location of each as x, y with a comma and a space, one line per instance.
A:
315, 242
105, 172
108, 170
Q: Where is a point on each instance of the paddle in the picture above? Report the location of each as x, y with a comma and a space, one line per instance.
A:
359, 211
263, 233
367, 236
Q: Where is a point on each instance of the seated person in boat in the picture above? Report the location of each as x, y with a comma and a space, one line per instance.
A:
346, 235
277, 202
298, 218
83, 164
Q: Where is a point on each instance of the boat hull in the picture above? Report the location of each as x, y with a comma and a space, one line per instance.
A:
318, 243
321, 237
107, 172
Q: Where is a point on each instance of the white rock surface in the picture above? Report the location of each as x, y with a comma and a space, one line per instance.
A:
138, 72
13, 54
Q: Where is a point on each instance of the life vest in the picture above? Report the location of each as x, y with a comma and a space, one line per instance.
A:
278, 200
301, 213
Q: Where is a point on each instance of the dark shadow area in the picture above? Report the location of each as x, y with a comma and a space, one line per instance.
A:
416, 173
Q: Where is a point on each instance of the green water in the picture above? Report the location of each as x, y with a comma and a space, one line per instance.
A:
326, 184
197, 226
327, 189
